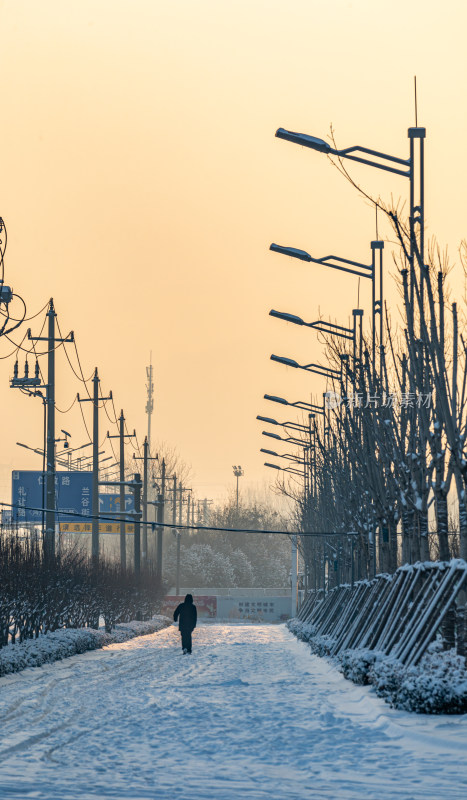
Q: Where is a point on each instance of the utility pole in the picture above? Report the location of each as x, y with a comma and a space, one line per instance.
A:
150, 401
146, 458
137, 551
177, 534
95, 465
121, 435
145, 497
49, 541
294, 575
160, 519
50, 449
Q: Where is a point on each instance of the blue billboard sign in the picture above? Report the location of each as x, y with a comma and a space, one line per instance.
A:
73, 495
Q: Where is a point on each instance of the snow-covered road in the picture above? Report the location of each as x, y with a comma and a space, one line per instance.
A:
251, 714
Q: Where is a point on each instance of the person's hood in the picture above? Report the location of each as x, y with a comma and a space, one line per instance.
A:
189, 598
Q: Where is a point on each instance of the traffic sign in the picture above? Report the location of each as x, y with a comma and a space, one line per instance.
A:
73, 495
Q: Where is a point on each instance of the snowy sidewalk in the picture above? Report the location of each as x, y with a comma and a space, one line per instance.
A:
251, 714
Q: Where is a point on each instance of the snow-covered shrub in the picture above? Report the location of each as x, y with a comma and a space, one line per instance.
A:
57, 645
437, 685
356, 665
321, 645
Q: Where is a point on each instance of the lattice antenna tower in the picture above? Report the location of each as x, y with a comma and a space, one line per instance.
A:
150, 396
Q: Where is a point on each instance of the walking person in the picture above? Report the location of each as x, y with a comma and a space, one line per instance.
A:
187, 615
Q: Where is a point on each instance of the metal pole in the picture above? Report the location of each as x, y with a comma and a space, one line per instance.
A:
324, 570
374, 549
179, 533
373, 312
145, 499
95, 471
160, 530
377, 304
174, 522
294, 575
44, 405
49, 544
122, 492
381, 309
137, 492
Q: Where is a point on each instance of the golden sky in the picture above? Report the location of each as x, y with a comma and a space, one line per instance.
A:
141, 184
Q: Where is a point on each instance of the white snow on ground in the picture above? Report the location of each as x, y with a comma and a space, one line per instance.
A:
251, 714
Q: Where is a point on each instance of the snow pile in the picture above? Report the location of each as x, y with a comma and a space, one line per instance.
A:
66, 642
436, 685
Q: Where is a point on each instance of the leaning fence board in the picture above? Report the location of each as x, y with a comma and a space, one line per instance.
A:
398, 614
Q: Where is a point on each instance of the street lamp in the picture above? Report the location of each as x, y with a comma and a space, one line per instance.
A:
294, 549
408, 171
319, 325
301, 404
288, 456
293, 425
238, 472
289, 439
284, 469
326, 372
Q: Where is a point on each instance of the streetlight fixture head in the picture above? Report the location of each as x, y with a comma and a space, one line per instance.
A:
267, 419
286, 317
272, 466
269, 452
272, 435
276, 399
293, 252
288, 362
304, 139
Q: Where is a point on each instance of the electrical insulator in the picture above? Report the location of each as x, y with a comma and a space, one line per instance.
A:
26, 369
15, 369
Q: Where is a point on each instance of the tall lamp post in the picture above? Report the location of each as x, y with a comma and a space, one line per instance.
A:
294, 551
238, 472
406, 167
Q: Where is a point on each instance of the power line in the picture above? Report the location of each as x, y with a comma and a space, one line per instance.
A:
27, 319
171, 526
84, 421
68, 409
81, 376
13, 352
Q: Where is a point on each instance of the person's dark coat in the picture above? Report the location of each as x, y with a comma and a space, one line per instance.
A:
186, 614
